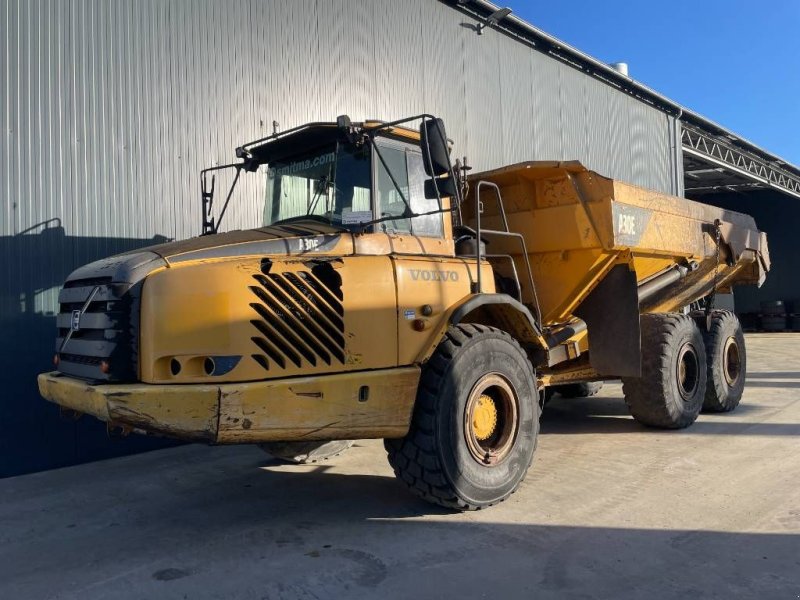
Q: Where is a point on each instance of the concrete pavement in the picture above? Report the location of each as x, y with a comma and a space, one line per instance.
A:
609, 510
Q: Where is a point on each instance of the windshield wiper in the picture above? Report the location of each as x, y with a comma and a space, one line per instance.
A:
406, 214
323, 183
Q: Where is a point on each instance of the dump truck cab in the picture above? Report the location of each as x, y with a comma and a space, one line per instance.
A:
386, 293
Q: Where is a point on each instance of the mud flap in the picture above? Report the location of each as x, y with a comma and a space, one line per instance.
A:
611, 312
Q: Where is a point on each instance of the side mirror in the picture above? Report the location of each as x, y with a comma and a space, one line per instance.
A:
446, 185
433, 142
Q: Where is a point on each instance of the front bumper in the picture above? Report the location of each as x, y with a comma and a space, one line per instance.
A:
180, 411
305, 408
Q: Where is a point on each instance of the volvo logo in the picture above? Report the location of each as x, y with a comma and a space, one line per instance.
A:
432, 275
76, 320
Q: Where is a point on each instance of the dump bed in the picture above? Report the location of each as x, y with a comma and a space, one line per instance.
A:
601, 249
578, 225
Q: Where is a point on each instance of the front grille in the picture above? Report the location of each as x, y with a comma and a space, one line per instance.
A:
107, 329
81, 360
300, 317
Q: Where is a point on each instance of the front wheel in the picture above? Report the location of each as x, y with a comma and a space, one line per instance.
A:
475, 422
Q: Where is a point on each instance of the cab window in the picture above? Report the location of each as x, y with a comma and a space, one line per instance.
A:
406, 181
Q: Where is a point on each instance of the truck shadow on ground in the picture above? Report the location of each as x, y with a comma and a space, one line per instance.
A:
773, 375
610, 415
213, 523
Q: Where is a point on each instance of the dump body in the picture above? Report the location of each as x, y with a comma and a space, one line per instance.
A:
578, 225
606, 251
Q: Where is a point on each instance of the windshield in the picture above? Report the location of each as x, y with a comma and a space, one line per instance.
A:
331, 184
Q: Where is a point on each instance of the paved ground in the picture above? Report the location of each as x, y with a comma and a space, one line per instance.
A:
610, 510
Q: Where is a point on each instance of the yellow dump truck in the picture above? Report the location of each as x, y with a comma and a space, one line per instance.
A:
390, 294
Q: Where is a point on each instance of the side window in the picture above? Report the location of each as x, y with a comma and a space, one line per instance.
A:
427, 225
390, 201
409, 178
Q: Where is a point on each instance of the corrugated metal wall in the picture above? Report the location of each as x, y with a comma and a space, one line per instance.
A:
109, 109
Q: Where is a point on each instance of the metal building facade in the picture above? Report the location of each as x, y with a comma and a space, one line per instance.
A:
110, 109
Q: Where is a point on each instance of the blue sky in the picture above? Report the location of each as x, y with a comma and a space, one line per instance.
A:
736, 62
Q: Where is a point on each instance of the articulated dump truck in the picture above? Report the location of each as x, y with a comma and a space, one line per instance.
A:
391, 294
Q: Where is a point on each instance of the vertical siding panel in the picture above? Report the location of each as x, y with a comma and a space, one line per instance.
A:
573, 116
344, 31
619, 140
518, 128
546, 107
597, 131
398, 60
7, 41
445, 67
484, 108
640, 167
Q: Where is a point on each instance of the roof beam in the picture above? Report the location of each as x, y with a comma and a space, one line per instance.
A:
719, 151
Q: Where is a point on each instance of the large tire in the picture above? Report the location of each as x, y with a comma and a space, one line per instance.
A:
579, 390
727, 362
475, 422
671, 390
302, 453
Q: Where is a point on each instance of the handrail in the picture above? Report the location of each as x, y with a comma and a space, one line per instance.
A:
506, 233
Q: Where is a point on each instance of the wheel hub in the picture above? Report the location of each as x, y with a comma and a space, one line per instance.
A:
484, 417
688, 371
491, 419
731, 361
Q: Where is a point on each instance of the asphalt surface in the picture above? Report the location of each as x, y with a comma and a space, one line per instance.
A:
609, 510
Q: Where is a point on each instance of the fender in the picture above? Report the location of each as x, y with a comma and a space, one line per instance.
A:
498, 310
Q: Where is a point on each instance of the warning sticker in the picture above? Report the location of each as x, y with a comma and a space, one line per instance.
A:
353, 217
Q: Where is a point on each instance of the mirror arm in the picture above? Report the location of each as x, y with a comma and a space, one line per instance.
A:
207, 195
239, 168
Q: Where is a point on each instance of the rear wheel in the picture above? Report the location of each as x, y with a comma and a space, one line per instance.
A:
727, 362
475, 422
671, 390
302, 453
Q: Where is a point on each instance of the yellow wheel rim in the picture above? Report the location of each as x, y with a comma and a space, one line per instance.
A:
491, 419
484, 417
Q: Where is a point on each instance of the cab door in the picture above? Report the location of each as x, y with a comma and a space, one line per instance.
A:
429, 278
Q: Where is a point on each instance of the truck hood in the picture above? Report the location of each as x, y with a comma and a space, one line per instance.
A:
302, 238
296, 238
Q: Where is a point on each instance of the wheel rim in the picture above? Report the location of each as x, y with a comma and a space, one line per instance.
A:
731, 361
491, 419
688, 371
